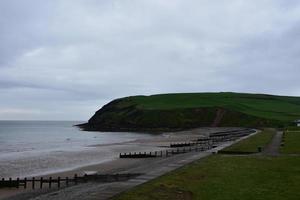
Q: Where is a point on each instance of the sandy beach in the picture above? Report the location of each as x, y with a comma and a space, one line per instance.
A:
115, 165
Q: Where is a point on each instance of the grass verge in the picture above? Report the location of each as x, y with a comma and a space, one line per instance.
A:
222, 177
251, 144
293, 128
291, 142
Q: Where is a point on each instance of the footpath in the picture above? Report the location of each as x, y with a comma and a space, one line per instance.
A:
272, 149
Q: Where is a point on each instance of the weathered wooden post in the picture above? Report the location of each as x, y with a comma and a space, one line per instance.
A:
58, 182
2, 182
18, 182
41, 183
67, 181
50, 182
259, 149
85, 178
75, 179
33, 183
25, 183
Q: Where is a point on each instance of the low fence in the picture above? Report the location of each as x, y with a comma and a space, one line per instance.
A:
58, 182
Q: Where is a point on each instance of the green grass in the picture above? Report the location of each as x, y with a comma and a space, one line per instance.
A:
251, 144
260, 105
226, 178
191, 110
293, 128
291, 142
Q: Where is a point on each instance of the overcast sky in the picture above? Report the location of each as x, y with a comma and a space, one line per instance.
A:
64, 59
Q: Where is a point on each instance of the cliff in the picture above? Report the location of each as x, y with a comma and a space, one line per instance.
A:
169, 112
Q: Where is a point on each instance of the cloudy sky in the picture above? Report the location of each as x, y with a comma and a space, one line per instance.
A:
64, 59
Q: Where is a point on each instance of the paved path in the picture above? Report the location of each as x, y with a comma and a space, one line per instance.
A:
272, 149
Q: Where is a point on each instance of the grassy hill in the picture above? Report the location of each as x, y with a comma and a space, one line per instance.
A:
189, 110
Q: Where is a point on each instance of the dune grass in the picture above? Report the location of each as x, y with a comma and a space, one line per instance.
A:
291, 142
223, 177
251, 144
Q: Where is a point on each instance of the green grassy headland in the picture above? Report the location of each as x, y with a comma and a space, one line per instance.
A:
190, 110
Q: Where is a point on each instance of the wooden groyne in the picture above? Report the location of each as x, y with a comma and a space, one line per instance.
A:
165, 153
229, 136
232, 131
142, 154
42, 182
186, 150
205, 142
200, 144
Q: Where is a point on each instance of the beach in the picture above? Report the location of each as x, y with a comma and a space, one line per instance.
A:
113, 164
32, 148
109, 153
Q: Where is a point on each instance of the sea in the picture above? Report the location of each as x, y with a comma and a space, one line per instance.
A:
32, 148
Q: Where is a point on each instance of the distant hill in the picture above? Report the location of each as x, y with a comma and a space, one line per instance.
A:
167, 112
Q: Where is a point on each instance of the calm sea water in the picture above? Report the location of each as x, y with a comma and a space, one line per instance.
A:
37, 147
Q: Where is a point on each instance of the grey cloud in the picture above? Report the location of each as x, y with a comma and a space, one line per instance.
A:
68, 58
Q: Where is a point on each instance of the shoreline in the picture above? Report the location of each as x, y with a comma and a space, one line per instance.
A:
116, 165
156, 143
91, 128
